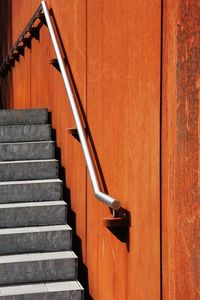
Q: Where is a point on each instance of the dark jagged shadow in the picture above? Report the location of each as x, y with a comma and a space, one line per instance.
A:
77, 248
122, 233
6, 41
71, 221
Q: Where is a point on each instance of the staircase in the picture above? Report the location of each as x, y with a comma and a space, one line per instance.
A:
36, 260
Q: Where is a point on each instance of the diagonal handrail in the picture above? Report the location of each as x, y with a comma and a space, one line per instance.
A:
99, 194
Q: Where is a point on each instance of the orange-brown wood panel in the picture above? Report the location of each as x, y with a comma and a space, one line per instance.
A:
123, 112
180, 150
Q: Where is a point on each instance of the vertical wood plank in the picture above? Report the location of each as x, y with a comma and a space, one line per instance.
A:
180, 150
123, 105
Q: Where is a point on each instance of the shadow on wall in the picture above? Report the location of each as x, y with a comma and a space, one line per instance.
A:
1, 104
6, 90
71, 221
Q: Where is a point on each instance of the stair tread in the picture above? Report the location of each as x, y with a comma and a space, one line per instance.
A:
25, 125
33, 229
43, 287
31, 257
28, 142
29, 204
28, 161
30, 181
31, 190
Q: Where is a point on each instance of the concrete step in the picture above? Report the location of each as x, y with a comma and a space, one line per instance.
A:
35, 239
25, 133
29, 169
31, 190
62, 290
33, 214
37, 267
27, 150
23, 116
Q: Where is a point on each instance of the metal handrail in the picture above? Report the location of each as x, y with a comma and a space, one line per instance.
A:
111, 202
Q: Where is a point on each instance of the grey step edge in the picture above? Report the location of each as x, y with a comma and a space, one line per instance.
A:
23, 116
35, 239
31, 190
25, 133
62, 290
27, 150
29, 169
37, 267
33, 214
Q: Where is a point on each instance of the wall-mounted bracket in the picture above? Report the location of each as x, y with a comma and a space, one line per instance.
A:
20, 48
74, 133
34, 31
15, 54
26, 39
54, 63
11, 59
41, 17
121, 218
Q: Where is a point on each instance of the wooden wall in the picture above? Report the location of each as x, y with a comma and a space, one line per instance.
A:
113, 49
123, 110
180, 155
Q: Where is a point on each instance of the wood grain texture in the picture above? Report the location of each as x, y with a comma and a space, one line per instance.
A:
180, 154
115, 62
123, 111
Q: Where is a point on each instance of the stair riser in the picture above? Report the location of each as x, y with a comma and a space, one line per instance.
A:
36, 242
25, 151
28, 170
32, 116
25, 133
30, 192
33, 216
36, 271
65, 295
